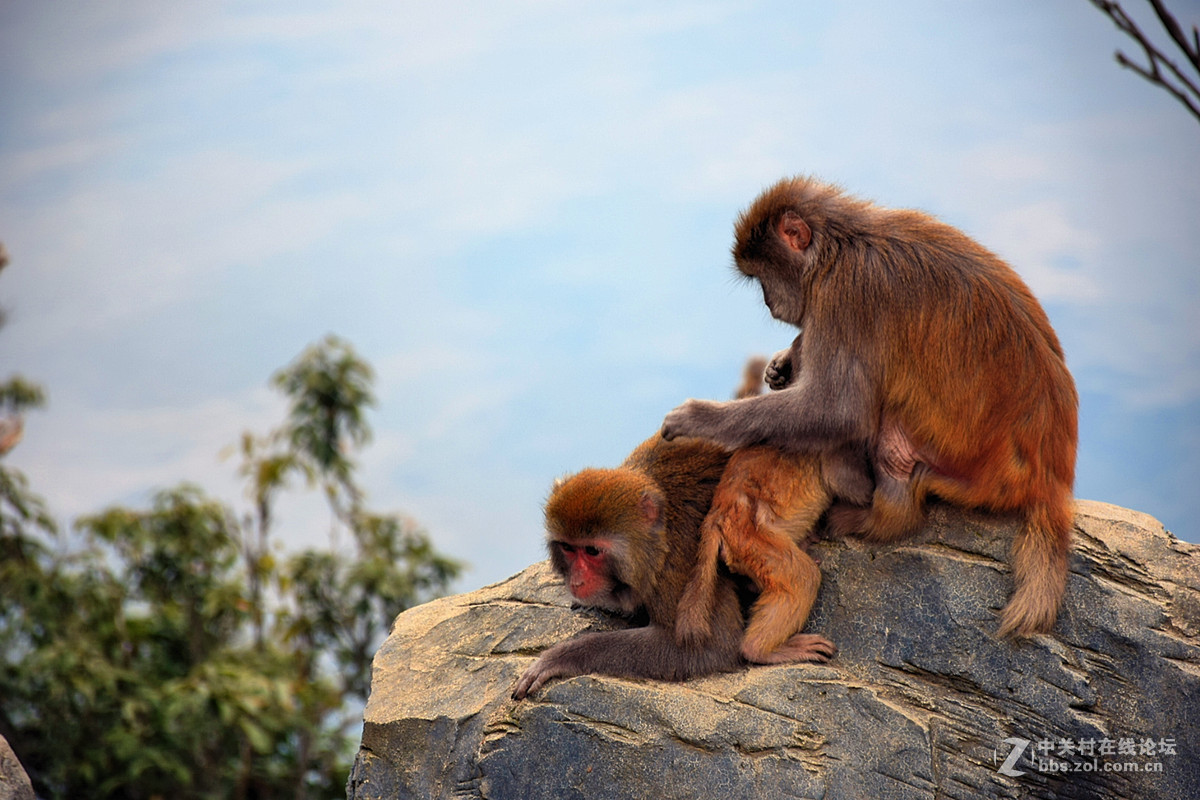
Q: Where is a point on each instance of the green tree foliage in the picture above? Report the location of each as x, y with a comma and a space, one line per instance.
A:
167, 652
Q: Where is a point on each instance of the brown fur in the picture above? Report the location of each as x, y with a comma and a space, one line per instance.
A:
646, 516
762, 518
929, 351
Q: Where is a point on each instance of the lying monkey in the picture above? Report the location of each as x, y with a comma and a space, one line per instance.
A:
626, 540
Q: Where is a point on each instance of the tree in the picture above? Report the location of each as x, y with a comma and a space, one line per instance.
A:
168, 652
336, 608
1183, 83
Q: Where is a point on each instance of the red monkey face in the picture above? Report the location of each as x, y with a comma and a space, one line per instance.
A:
588, 570
589, 567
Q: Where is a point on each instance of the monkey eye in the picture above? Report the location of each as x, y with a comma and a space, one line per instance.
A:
592, 550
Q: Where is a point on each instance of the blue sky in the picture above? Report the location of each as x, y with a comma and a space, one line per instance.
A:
520, 213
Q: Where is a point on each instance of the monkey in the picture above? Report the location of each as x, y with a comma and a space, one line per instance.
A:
752, 378
622, 539
625, 540
927, 349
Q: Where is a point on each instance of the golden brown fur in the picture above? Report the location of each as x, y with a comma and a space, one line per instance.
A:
763, 514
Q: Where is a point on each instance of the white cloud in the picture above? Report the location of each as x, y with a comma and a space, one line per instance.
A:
1038, 239
61, 45
39, 160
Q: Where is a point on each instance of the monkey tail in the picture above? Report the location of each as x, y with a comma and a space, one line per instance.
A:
692, 622
1039, 561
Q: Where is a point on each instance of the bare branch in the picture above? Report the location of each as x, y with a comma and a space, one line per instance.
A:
1189, 92
1172, 25
1154, 76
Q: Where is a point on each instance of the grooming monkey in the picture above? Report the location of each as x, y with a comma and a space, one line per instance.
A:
925, 348
625, 540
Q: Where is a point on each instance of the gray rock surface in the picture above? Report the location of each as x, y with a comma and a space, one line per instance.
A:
921, 701
14, 783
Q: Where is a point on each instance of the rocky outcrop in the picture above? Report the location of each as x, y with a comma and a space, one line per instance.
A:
921, 701
14, 783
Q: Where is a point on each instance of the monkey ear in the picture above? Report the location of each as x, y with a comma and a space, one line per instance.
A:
649, 508
794, 231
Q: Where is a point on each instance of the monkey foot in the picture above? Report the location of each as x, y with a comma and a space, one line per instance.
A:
800, 647
846, 520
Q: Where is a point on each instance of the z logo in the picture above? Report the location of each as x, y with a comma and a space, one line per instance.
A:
1018, 748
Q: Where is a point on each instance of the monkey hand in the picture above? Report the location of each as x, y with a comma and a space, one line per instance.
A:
778, 373
699, 418
546, 667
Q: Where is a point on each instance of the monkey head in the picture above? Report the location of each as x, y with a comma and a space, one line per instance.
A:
778, 240
604, 530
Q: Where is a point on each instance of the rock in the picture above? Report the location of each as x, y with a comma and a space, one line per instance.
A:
921, 701
14, 783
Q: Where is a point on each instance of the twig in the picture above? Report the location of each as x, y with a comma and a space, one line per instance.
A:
1189, 94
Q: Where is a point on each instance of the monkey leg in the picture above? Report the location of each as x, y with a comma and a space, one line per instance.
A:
1039, 559
789, 580
803, 647
848, 474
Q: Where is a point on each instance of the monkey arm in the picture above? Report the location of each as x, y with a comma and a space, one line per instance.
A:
649, 652
816, 413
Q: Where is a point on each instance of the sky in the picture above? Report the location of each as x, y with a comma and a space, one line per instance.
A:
520, 214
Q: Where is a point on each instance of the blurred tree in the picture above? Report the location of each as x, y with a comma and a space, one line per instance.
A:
330, 389
1183, 83
335, 609
25, 524
167, 652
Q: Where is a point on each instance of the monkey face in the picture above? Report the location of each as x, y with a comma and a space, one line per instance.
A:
588, 566
773, 249
782, 298
778, 271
